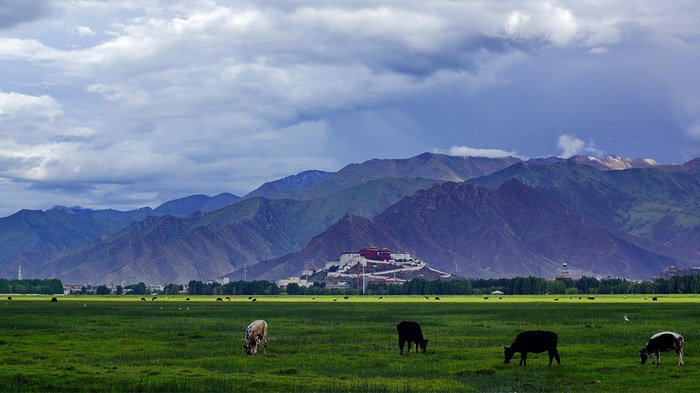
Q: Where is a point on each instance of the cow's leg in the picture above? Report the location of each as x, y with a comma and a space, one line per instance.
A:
551, 357
409, 346
401, 344
523, 358
679, 352
417, 346
556, 356
265, 348
657, 358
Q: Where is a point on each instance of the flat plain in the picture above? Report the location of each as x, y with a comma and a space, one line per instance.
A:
329, 343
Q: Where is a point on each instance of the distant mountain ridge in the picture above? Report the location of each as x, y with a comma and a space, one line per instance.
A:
479, 232
435, 166
213, 244
512, 217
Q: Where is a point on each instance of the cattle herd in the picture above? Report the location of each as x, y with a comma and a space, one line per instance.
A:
532, 341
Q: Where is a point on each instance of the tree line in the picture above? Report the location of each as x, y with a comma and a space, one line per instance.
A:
35, 286
689, 284
536, 285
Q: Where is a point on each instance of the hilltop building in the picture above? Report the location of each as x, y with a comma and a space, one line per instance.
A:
370, 264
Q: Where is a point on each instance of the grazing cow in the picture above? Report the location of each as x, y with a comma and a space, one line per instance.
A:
486, 298
654, 299
437, 298
255, 334
346, 297
218, 299
427, 298
381, 298
187, 299
556, 300
591, 298
254, 300
54, 300
535, 341
143, 299
9, 298
411, 332
662, 342
154, 299
228, 298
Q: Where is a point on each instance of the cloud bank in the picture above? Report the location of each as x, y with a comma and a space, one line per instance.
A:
123, 104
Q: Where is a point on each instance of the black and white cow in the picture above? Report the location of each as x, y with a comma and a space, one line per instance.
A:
662, 342
535, 341
411, 332
254, 335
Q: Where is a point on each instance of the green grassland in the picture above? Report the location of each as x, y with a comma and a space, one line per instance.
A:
103, 344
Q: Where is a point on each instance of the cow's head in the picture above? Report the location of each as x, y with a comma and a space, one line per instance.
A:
250, 348
508, 353
643, 355
423, 345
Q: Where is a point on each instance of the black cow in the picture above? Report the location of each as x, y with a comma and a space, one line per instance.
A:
54, 300
411, 332
218, 299
662, 342
535, 341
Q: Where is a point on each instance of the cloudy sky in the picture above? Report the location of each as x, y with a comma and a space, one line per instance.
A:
131, 103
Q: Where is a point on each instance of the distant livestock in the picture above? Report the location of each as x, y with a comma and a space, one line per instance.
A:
228, 298
218, 299
591, 298
654, 299
254, 300
662, 342
346, 297
187, 299
143, 299
410, 331
9, 298
535, 341
54, 300
437, 298
255, 334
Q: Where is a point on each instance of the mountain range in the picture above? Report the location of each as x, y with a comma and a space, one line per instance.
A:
476, 217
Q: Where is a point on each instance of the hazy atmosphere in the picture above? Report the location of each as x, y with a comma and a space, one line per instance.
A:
128, 103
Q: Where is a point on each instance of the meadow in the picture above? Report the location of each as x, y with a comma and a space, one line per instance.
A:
328, 343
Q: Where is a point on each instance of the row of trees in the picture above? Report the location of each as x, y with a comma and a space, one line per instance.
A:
510, 286
537, 285
40, 286
259, 287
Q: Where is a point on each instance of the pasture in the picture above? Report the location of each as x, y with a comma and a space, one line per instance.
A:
121, 344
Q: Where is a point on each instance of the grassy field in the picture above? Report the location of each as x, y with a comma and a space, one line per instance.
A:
102, 344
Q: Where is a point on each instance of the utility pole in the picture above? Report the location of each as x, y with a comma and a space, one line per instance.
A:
364, 283
19, 272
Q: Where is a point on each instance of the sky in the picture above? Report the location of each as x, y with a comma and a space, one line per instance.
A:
122, 104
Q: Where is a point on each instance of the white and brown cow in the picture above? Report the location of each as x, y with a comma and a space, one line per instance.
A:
254, 335
662, 342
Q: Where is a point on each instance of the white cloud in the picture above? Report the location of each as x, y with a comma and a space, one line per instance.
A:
466, 151
570, 145
599, 50
16, 105
84, 31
